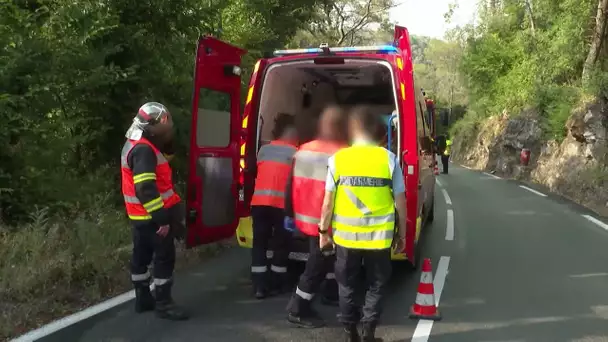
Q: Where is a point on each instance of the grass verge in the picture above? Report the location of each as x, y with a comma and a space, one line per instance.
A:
55, 266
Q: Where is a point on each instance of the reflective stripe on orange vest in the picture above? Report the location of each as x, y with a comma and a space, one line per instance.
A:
274, 163
163, 177
308, 183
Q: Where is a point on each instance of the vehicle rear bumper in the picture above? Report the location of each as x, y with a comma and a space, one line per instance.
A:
244, 236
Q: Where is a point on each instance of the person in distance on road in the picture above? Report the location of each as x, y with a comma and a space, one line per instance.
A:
445, 156
359, 203
304, 196
153, 208
267, 208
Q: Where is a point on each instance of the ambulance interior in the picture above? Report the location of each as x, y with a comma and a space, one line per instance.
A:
304, 89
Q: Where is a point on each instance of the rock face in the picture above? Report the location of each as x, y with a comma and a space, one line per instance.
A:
576, 168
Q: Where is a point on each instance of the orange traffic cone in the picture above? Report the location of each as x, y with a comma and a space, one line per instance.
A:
425, 307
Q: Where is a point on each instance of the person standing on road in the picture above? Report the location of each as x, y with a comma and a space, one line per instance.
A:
153, 208
304, 196
445, 156
359, 202
267, 209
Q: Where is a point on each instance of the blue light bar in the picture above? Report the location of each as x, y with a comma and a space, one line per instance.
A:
346, 49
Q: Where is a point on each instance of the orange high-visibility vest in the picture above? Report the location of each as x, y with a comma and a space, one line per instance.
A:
308, 183
274, 164
164, 182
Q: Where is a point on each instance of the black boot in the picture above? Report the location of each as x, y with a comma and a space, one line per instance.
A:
369, 333
351, 334
279, 283
301, 314
260, 288
144, 301
165, 307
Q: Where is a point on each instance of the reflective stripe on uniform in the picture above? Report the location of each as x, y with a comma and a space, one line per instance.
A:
330, 276
278, 269
142, 177
160, 281
303, 295
140, 277
311, 164
357, 202
269, 193
276, 153
154, 204
140, 217
134, 200
259, 269
306, 218
372, 235
365, 220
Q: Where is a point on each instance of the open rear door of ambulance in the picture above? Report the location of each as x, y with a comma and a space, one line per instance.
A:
213, 169
410, 155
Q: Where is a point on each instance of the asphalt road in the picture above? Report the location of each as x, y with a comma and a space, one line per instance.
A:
522, 267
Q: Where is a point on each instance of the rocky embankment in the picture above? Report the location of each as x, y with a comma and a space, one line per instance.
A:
576, 167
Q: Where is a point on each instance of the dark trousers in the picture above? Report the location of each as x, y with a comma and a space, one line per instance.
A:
376, 265
319, 271
445, 162
267, 226
147, 247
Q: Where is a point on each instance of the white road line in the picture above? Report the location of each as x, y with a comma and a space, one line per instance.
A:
65, 322
448, 200
449, 231
466, 167
491, 175
423, 329
596, 221
438, 182
532, 190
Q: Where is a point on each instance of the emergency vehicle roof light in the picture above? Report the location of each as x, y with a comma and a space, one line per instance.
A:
344, 49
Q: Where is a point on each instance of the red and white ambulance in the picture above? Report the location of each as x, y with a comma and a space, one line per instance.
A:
225, 138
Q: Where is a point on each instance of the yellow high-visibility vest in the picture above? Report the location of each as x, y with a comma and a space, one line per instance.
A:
364, 208
448, 147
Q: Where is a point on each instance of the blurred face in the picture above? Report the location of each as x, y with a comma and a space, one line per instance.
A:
290, 134
163, 130
354, 129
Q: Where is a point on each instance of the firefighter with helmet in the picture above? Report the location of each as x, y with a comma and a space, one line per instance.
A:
153, 207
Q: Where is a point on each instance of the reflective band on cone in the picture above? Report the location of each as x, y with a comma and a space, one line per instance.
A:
436, 170
425, 307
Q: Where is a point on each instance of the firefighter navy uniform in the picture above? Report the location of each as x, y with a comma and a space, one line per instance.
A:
305, 191
267, 210
363, 227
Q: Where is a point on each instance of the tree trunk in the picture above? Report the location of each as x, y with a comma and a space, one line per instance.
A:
596, 40
531, 15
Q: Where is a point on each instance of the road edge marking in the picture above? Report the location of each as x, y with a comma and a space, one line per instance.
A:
596, 221
76, 317
491, 175
447, 198
438, 182
466, 167
533, 191
424, 327
449, 230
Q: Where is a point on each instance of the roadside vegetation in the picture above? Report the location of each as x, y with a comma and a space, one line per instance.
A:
539, 55
72, 75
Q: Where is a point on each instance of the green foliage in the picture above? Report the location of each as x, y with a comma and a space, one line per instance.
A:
72, 75
521, 56
347, 23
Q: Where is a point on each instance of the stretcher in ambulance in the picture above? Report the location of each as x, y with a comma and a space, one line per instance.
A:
224, 143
